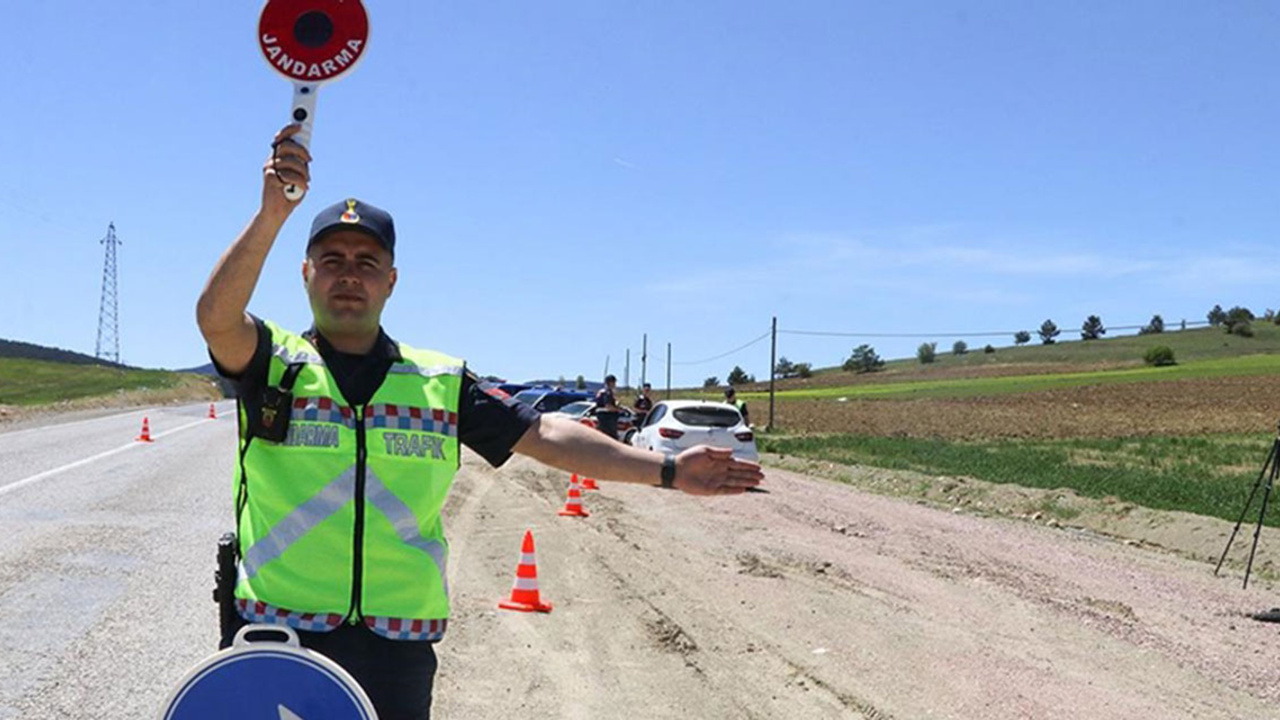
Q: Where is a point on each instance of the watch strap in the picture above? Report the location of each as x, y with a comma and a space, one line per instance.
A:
669, 472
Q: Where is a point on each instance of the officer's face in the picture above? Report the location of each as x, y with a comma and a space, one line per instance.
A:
349, 277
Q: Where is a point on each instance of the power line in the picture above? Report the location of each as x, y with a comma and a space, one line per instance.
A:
726, 353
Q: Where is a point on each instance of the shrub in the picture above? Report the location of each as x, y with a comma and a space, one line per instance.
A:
711, 382
1155, 327
1236, 316
927, 352
959, 347
580, 383
738, 376
1242, 328
988, 350
1159, 356
1022, 337
804, 370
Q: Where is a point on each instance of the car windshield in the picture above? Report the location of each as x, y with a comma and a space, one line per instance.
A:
529, 397
707, 416
576, 408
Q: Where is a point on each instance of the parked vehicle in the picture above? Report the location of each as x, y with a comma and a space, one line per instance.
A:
584, 411
674, 425
546, 400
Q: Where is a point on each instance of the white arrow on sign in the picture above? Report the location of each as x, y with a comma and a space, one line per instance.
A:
287, 714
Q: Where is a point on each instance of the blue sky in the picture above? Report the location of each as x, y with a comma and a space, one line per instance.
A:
567, 176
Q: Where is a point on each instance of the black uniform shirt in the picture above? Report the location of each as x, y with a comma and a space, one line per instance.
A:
487, 424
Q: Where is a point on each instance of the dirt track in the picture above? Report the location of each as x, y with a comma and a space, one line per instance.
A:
820, 601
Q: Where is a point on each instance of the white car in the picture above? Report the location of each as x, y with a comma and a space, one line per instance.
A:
674, 425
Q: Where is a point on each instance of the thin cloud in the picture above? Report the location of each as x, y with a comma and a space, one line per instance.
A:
624, 163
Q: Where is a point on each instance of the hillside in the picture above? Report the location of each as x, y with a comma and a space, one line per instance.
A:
1202, 351
31, 351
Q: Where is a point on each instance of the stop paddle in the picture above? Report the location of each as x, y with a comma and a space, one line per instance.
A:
311, 42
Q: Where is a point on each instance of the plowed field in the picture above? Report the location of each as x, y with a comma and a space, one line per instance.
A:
1180, 407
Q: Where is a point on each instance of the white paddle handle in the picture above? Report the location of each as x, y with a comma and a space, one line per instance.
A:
303, 112
242, 635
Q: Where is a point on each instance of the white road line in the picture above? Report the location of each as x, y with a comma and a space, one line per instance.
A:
79, 463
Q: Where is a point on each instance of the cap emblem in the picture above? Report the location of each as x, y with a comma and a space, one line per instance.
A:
350, 216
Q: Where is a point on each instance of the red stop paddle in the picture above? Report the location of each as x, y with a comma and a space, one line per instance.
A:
311, 42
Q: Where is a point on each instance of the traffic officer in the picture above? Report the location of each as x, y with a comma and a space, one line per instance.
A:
731, 397
349, 441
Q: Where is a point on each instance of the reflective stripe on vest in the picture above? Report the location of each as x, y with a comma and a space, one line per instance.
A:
304, 494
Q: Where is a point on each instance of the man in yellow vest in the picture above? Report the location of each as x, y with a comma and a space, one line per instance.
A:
349, 442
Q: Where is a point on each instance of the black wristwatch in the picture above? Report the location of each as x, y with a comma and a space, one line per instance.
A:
669, 472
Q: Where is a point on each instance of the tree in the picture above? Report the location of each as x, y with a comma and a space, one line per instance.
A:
804, 370
784, 368
1159, 356
988, 349
738, 376
1022, 337
1216, 316
959, 347
580, 383
1155, 327
560, 382
1092, 328
711, 382
1048, 331
927, 352
1235, 316
863, 359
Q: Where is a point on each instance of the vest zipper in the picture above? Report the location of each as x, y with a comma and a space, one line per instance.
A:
357, 558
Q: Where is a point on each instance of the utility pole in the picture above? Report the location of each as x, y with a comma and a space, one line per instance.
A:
668, 371
626, 371
773, 364
606, 368
108, 345
644, 359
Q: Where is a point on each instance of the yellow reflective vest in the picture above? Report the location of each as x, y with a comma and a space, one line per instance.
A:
343, 516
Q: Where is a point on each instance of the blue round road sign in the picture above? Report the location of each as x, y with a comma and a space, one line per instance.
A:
268, 681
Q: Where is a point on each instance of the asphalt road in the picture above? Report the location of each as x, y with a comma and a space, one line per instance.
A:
106, 559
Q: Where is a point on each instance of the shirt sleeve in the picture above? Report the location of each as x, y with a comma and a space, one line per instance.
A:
489, 424
250, 383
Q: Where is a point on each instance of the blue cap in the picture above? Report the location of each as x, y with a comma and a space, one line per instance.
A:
352, 214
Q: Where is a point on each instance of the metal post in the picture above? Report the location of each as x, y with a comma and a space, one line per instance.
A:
644, 359
626, 371
668, 371
773, 364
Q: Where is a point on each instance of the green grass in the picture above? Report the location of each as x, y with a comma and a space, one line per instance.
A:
1208, 475
971, 387
1206, 343
38, 382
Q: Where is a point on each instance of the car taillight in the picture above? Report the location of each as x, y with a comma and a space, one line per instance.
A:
744, 436
669, 433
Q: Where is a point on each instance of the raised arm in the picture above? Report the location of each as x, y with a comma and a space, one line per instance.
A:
221, 310
570, 446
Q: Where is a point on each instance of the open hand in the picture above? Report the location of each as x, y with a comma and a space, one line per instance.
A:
704, 470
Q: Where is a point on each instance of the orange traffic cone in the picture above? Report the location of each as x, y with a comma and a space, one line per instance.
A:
146, 431
213, 414
524, 594
573, 505
589, 484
